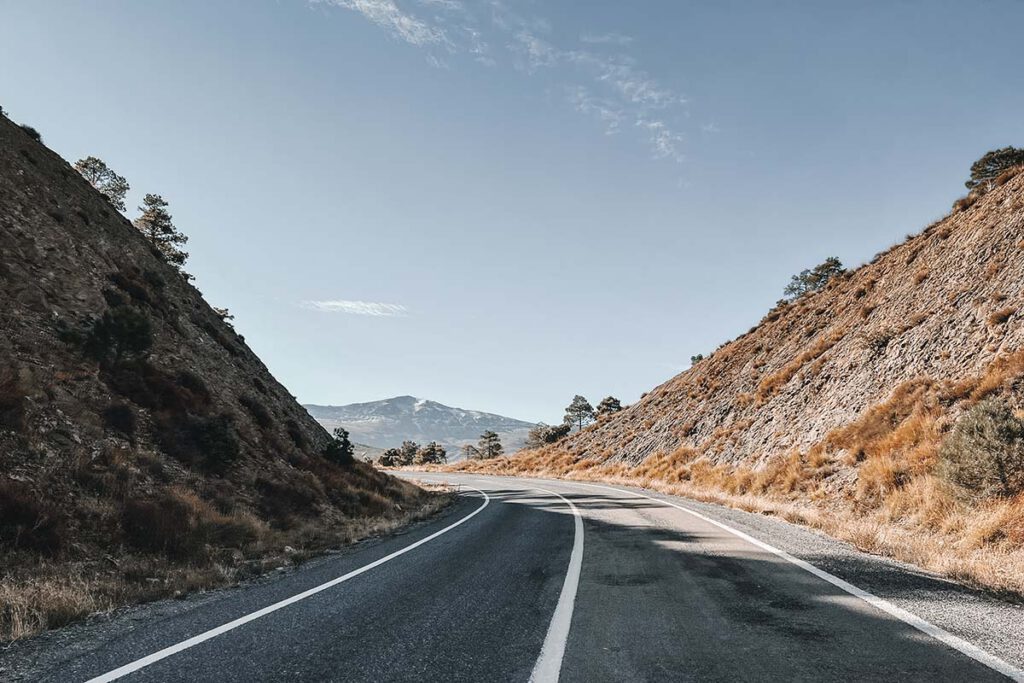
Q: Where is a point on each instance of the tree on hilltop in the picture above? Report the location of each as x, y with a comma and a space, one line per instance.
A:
813, 279
156, 224
608, 406
579, 413
111, 185
989, 167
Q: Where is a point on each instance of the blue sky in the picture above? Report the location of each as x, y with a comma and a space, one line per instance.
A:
498, 205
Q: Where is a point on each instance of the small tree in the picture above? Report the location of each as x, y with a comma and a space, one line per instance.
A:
579, 413
431, 454
390, 458
609, 405
814, 279
155, 223
470, 452
407, 452
339, 450
987, 168
696, 359
985, 451
103, 178
489, 445
543, 434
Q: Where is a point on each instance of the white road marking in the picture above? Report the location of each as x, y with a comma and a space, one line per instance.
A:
549, 663
903, 615
224, 628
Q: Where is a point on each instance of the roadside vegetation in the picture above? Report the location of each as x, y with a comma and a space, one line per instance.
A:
931, 473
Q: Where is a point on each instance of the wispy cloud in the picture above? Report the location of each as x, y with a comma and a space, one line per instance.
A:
599, 78
611, 38
401, 24
371, 308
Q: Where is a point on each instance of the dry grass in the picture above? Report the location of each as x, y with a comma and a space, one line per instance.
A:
1001, 316
774, 382
872, 482
178, 543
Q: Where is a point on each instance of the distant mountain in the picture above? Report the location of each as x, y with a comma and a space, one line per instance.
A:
387, 423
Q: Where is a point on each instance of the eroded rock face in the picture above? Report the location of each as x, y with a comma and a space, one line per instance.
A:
943, 305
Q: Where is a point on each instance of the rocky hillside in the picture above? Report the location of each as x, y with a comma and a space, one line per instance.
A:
387, 423
835, 408
942, 306
144, 448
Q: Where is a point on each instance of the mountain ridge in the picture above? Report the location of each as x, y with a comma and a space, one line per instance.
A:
386, 423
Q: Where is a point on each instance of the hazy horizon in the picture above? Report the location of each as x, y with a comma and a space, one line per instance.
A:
499, 205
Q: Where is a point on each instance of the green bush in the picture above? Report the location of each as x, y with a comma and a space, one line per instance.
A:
209, 443
984, 453
122, 332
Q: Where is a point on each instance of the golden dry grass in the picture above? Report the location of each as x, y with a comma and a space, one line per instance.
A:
872, 482
38, 594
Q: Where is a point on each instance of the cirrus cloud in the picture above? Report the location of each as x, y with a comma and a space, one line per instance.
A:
371, 308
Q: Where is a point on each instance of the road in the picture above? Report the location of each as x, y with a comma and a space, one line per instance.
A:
558, 581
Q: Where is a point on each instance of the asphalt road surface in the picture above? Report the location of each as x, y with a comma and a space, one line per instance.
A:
547, 580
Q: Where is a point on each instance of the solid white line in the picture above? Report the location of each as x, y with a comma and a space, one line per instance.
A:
224, 628
549, 663
903, 615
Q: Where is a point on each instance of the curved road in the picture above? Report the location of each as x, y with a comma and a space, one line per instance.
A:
526, 579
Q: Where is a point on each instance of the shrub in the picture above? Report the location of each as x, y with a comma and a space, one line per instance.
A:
207, 442
984, 454
295, 433
12, 401
122, 332
339, 450
120, 418
26, 522
1001, 316
180, 525
259, 413
32, 132
284, 497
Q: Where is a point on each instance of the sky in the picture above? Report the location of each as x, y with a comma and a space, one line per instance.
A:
498, 204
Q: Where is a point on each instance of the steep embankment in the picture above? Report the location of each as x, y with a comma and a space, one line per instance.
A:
144, 448
833, 408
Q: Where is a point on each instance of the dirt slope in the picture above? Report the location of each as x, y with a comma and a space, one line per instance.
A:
832, 409
144, 448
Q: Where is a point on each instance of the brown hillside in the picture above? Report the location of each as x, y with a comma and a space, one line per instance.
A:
145, 449
832, 409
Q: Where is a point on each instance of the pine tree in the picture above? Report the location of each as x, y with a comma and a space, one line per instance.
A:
155, 223
489, 445
113, 186
431, 454
608, 406
990, 166
407, 452
470, 452
814, 279
579, 413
